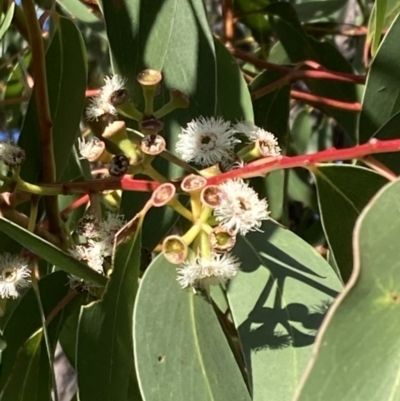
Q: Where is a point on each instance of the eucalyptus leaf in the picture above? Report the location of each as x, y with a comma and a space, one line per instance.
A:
278, 301
179, 344
368, 303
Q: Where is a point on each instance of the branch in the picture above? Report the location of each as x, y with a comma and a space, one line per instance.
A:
319, 101
228, 21
263, 166
43, 109
318, 72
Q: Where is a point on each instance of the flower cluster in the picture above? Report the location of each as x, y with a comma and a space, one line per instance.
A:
11, 155
203, 272
100, 241
103, 103
237, 210
240, 209
207, 141
14, 275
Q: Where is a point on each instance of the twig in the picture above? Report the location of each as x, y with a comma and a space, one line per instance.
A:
16, 100
263, 166
45, 122
319, 72
379, 167
319, 101
228, 21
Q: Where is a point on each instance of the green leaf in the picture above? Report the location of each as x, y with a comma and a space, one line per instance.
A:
248, 13
278, 301
50, 253
300, 47
356, 355
6, 21
383, 83
23, 383
231, 83
173, 36
181, 352
389, 130
312, 11
343, 192
104, 350
80, 11
271, 112
66, 80
376, 24
25, 319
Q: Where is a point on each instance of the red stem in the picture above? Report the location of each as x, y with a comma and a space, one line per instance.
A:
325, 101
319, 72
263, 166
75, 204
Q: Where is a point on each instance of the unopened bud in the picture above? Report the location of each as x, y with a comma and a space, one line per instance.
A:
116, 133
175, 249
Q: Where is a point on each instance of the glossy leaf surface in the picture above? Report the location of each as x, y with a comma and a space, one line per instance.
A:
106, 325
278, 301
343, 192
179, 344
355, 358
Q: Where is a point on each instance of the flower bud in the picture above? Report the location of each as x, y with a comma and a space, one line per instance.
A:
116, 132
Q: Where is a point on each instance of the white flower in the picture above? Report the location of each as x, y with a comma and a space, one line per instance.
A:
94, 260
91, 149
110, 226
240, 209
245, 127
101, 104
266, 141
203, 272
11, 155
14, 274
206, 141
90, 254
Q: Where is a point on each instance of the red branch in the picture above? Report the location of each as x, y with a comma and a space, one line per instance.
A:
75, 204
257, 168
264, 166
92, 92
318, 72
319, 101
